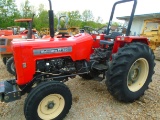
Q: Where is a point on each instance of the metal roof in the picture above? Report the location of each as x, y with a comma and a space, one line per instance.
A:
149, 15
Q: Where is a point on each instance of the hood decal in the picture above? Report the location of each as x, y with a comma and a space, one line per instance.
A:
52, 50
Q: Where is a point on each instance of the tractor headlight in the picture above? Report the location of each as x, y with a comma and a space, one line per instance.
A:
24, 37
121, 38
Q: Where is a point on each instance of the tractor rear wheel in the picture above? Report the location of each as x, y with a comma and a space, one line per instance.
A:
130, 72
10, 66
47, 101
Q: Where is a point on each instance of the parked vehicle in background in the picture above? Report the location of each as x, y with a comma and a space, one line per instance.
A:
151, 30
7, 36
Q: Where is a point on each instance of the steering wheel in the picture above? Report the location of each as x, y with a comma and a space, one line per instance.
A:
65, 24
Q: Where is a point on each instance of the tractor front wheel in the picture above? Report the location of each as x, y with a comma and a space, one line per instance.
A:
130, 72
47, 101
4, 60
10, 66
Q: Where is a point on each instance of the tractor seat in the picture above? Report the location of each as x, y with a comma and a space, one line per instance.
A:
63, 31
104, 42
113, 35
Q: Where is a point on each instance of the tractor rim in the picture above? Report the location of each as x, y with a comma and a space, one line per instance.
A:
12, 67
51, 106
137, 74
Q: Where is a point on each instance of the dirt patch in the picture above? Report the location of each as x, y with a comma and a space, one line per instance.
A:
157, 53
92, 101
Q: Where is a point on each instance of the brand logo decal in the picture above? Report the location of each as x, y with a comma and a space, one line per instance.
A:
52, 50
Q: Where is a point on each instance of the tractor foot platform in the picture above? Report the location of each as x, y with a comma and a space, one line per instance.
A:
9, 91
99, 78
100, 67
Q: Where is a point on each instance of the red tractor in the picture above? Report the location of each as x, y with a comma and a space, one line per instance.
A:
5, 42
42, 67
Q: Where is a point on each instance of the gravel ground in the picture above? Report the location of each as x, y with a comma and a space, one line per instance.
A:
92, 101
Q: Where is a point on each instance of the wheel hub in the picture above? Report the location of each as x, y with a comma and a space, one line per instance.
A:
50, 105
137, 74
134, 73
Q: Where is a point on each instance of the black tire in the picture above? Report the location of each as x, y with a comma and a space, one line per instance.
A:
125, 81
10, 66
4, 60
41, 92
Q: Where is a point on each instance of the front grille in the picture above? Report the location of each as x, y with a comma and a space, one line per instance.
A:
3, 50
3, 41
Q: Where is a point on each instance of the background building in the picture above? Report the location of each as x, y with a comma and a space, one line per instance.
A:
138, 21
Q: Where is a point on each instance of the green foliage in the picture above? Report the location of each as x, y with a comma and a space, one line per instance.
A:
9, 12
87, 15
26, 9
115, 24
74, 18
80, 20
42, 20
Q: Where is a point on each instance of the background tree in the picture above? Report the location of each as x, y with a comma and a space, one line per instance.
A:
26, 12
87, 15
74, 18
8, 12
115, 24
26, 9
41, 20
87, 18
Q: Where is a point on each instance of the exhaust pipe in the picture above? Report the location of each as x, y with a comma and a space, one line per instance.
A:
30, 26
51, 20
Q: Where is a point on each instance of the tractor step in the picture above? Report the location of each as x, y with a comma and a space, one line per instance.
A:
99, 78
9, 91
100, 67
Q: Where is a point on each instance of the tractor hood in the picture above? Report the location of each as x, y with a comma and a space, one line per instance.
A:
48, 48
14, 37
27, 52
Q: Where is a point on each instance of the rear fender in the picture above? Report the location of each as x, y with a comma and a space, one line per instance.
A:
97, 38
120, 41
